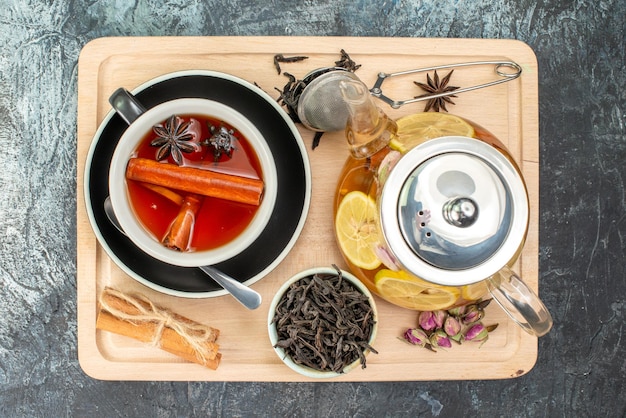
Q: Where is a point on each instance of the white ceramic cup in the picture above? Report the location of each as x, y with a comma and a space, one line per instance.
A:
118, 190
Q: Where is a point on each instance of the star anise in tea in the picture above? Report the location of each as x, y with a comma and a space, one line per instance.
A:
222, 141
173, 138
436, 86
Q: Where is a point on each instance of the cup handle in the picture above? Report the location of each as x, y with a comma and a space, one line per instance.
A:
520, 302
126, 105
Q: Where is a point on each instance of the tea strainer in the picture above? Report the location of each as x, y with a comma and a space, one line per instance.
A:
321, 107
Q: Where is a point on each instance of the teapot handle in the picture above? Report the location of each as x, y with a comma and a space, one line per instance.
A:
520, 302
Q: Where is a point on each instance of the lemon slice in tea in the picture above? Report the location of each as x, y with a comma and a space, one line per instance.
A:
474, 291
419, 127
355, 227
401, 289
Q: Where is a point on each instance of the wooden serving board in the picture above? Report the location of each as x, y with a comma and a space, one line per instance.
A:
509, 110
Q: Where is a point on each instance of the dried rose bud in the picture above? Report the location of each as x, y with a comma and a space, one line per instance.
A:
473, 314
416, 336
452, 326
457, 311
440, 339
426, 321
476, 332
458, 338
439, 317
388, 259
482, 304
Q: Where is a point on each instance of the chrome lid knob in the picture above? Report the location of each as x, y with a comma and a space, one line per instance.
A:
461, 212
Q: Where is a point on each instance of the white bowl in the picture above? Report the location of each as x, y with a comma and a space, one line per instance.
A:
273, 333
119, 192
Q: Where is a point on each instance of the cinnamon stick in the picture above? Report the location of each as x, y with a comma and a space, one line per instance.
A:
179, 234
195, 180
138, 318
165, 192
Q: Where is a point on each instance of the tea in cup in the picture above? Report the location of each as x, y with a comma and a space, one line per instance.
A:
192, 181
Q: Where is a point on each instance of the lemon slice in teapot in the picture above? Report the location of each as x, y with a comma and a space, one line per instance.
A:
419, 127
474, 291
356, 231
401, 289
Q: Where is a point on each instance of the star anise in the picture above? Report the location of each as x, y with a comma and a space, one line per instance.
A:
222, 141
173, 139
436, 86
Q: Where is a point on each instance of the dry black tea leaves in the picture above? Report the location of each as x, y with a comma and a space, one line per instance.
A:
324, 322
316, 139
278, 58
289, 96
347, 62
291, 91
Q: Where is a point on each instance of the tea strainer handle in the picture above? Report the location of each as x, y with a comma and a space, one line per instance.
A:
504, 70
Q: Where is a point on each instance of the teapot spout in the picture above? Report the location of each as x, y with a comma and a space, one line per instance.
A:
368, 129
355, 93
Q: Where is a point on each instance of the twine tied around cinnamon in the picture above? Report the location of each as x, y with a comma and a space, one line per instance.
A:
138, 309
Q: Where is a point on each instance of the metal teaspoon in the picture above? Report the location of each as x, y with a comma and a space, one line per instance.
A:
245, 295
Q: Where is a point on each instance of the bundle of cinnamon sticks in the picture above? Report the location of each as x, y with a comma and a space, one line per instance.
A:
137, 317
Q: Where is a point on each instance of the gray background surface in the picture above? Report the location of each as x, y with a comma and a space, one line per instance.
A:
580, 45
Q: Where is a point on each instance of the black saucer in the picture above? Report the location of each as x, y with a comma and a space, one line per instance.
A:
292, 202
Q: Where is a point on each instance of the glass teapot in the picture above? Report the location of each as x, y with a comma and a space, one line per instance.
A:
431, 211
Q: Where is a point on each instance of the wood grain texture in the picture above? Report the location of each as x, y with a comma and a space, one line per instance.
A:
509, 111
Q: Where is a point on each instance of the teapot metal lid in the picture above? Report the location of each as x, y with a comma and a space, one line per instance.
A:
454, 210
